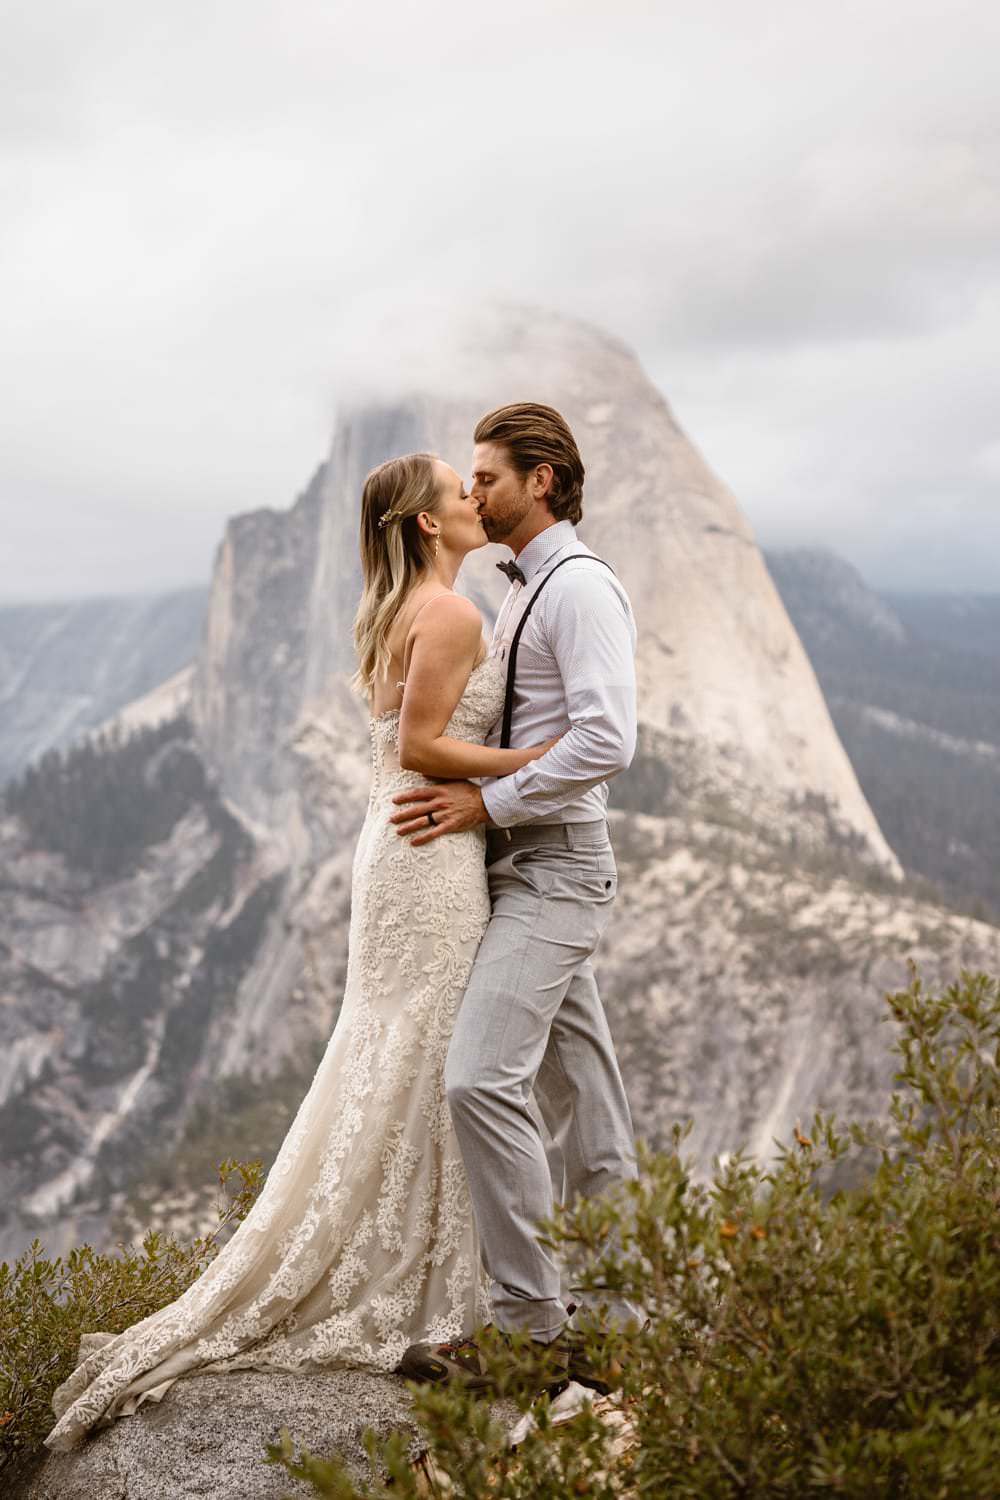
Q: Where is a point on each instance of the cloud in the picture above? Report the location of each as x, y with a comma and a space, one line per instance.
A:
214, 214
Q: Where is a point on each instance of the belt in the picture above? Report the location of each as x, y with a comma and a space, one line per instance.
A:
566, 835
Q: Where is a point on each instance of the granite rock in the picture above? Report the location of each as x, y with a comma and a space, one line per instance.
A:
207, 1438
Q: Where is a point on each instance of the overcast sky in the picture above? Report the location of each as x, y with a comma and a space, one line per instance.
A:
790, 210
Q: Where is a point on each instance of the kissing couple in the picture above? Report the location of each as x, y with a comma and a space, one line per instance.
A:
471, 1079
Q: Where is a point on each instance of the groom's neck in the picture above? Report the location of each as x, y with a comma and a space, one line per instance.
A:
529, 528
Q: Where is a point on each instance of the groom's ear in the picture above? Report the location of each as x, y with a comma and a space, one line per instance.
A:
543, 476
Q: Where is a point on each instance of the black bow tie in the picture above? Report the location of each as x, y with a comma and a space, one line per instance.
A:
513, 572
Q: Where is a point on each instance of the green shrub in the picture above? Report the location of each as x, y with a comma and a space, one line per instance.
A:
802, 1341
45, 1305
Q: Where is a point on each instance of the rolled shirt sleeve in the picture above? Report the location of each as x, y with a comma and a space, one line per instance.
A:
590, 629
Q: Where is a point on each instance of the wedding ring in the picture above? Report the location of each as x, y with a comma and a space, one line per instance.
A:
432, 820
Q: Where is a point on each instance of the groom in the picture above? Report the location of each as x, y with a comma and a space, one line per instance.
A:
532, 1020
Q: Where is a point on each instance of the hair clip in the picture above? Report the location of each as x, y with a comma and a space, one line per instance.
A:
390, 515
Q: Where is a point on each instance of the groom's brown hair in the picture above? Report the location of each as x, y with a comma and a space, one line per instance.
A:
534, 434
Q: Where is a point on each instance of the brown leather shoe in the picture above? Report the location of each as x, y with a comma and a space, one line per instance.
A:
466, 1361
458, 1359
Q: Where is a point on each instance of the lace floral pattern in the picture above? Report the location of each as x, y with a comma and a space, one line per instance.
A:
362, 1239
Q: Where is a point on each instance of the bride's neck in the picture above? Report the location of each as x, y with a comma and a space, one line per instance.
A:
444, 569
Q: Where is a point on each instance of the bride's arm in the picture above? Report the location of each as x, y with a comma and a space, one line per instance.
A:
445, 641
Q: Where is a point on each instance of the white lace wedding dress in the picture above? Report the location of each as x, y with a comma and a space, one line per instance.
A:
361, 1240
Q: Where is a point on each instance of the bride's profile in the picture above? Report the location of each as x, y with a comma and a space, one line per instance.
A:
362, 1240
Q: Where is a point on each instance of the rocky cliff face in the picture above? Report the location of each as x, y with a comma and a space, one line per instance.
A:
760, 914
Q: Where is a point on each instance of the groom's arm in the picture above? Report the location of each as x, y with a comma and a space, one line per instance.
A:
591, 632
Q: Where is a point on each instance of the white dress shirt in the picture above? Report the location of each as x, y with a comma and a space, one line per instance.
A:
575, 677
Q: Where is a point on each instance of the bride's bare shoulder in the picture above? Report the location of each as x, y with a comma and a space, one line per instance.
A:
446, 621
442, 618
445, 611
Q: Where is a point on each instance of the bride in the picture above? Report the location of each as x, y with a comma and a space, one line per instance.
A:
362, 1240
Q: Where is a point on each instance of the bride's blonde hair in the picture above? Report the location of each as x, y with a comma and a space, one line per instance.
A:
394, 554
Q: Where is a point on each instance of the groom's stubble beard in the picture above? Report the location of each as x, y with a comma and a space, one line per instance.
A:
506, 516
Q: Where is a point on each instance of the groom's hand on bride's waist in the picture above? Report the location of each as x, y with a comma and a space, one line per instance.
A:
452, 805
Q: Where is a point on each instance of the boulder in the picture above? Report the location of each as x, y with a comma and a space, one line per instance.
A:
207, 1437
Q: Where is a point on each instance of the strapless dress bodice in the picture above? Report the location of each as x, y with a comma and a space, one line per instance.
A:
478, 709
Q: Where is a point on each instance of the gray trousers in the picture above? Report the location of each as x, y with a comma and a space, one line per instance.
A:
532, 1020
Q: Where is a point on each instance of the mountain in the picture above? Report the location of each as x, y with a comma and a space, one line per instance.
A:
731, 708
65, 668
970, 622
172, 952
913, 685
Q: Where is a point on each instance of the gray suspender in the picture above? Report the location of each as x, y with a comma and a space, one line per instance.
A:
508, 707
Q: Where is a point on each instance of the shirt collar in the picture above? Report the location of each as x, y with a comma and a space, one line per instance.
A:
544, 546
